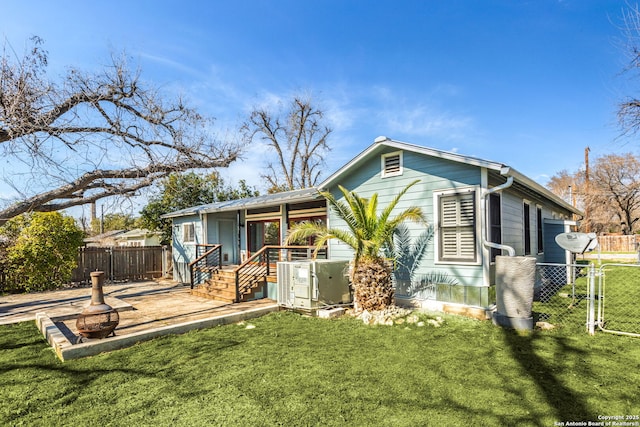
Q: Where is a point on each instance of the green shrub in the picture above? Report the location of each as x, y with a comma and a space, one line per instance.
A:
42, 252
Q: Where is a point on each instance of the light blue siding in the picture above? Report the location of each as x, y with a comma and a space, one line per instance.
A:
435, 175
553, 253
184, 252
512, 217
222, 229
513, 225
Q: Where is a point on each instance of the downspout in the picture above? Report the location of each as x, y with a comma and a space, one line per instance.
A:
485, 195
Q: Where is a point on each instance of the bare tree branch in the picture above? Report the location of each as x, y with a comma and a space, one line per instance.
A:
300, 145
615, 190
105, 131
629, 109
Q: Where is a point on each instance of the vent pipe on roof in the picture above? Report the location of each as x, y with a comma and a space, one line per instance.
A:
486, 195
381, 139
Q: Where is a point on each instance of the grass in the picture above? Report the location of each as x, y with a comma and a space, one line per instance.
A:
621, 295
617, 288
291, 370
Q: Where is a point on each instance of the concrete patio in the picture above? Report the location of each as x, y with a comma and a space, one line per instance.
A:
146, 309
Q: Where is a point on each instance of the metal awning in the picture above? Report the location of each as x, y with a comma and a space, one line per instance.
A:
295, 196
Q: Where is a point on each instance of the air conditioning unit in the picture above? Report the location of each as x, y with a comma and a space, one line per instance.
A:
313, 284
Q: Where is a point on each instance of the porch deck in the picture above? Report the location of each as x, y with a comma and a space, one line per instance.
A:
147, 310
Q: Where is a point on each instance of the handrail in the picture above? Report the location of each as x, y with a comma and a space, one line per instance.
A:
199, 246
212, 258
258, 266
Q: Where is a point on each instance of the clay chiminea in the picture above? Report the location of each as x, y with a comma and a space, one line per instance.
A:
97, 320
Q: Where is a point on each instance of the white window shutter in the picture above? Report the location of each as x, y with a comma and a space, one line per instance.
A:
457, 227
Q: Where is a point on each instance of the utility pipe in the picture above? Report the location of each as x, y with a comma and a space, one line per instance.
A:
485, 196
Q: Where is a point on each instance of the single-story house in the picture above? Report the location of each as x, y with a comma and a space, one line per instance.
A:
477, 209
138, 237
106, 239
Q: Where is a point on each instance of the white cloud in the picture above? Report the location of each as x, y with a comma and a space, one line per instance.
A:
339, 114
249, 168
425, 121
398, 114
165, 61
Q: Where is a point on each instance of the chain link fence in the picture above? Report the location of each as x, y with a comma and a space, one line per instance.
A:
561, 295
563, 292
618, 296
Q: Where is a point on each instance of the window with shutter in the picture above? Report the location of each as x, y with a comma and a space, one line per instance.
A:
457, 227
392, 164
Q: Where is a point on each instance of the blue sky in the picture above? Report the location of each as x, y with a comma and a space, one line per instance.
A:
526, 83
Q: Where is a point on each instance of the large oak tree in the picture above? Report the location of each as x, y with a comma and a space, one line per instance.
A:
615, 187
181, 191
89, 135
297, 135
612, 196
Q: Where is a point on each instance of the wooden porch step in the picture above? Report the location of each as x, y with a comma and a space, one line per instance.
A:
204, 294
222, 285
225, 292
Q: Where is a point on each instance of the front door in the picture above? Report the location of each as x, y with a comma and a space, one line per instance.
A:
263, 233
227, 238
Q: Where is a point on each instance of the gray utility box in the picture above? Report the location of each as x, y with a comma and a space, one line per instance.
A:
313, 284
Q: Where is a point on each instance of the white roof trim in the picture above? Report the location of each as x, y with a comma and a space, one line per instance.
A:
508, 171
312, 193
504, 170
379, 142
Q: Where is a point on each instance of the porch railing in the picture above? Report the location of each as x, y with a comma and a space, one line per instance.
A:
262, 264
208, 262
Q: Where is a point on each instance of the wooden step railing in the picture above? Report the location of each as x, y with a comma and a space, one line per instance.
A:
208, 262
262, 264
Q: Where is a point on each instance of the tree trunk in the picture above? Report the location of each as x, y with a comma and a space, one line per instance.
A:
372, 285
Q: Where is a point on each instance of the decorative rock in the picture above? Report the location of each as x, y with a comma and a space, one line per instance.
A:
366, 317
545, 326
331, 313
389, 316
433, 323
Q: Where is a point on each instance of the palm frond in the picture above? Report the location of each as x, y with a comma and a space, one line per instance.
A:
420, 246
408, 254
432, 278
368, 233
386, 213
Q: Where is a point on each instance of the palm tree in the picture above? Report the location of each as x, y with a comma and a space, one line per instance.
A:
368, 234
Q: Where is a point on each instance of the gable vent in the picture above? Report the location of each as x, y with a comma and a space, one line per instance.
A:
392, 164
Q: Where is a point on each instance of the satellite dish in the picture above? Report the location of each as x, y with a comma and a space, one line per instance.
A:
577, 242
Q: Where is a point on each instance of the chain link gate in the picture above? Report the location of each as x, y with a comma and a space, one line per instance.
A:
575, 295
618, 299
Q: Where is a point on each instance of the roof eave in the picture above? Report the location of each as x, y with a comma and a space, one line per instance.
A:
509, 171
387, 142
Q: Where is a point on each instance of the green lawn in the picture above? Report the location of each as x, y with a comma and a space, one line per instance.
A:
294, 371
620, 292
617, 288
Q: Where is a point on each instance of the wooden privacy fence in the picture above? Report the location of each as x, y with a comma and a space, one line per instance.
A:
122, 263
618, 243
